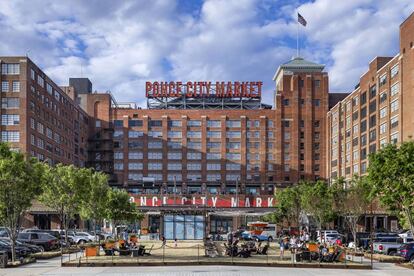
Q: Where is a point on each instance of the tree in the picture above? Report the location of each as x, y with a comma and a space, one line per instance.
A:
64, 191
391, 174
317, 200
120, 209
95, 202
289, 205
20, 183
352, 201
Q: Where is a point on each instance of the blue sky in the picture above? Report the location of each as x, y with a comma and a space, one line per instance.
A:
121, 44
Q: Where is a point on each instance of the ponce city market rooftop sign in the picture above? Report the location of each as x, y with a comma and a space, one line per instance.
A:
198, 89
218, 201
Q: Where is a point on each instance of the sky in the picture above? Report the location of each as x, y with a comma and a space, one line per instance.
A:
119, 45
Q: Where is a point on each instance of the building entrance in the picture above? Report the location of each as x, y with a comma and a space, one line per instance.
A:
184, 227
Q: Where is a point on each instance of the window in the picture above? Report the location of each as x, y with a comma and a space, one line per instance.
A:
213, 134
213, 156
363, 126
286, 123
232, 177
118, 133
155, 134
32, 140
134, 134
174, 144
10, 68
355, 101
119, 155
155, 145
174, 166
174, 177
10, 136
135, 176
383, 80
394, 138
253, 123
253, 134
135, 155
214, 166
232, 145
49, 133
40, 81
355, 155
287, 135
193, 166
355, 116
9, 103
32, 74
383, 97
270, 124
363, 112
118, 123
363, 140
154, 155
317, 83
233, 167
134, 144
394, 106
213, 177
372, 107
194, 155
394, 121
49, 89
118, 166
317, 102
233, 156
175, 155
372, 135
194, 134
394, 70
174, 123
139, 166
364, 98
174, 134
196, 123
98, 123
372, 92
155, 123
4, 86
233, 123
10, 120
233, 134
383, 142
286, 102
372, 121
214, 123
194, 177
383, 128
383, 112
193, 145
355, 168
135, 123
395, 89
154, 166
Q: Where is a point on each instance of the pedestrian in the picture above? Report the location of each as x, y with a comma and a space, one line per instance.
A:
175, 242
282, 248
164, 241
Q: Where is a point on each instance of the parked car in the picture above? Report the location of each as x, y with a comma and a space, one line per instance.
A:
21, 251
406, 235
30, 248
100, 235
76, 237
388, 246
54, 233
44, 240
406, 251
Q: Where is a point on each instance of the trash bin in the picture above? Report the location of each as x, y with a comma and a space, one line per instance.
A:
3, 259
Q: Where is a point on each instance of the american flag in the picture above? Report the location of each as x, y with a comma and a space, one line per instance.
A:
301, 20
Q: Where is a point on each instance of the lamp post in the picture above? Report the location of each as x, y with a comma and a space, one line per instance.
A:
237, 201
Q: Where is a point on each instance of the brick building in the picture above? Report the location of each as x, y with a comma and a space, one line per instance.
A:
378, 112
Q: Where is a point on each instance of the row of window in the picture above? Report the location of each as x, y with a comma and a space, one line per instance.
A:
192, 123
15, 87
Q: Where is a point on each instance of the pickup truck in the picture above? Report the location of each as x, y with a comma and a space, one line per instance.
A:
388, 246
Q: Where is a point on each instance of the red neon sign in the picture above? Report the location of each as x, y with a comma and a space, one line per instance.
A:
190, 89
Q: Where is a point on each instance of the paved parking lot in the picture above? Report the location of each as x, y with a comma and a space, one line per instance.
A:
52, 267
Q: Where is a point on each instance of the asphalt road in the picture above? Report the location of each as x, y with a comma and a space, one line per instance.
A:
52, 267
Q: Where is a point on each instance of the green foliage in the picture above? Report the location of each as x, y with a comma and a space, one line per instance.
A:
317, 200
391, 175
120, 209
20, 183
289, 205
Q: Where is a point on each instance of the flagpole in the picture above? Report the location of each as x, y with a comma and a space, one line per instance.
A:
297, 39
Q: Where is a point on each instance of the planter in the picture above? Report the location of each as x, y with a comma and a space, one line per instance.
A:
92, 251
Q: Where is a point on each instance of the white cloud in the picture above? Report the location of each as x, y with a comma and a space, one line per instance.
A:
121, 44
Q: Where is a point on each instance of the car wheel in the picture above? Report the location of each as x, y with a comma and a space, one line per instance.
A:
412, 258
42, 248
392, 253
257, 239
270, 239
81, 242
